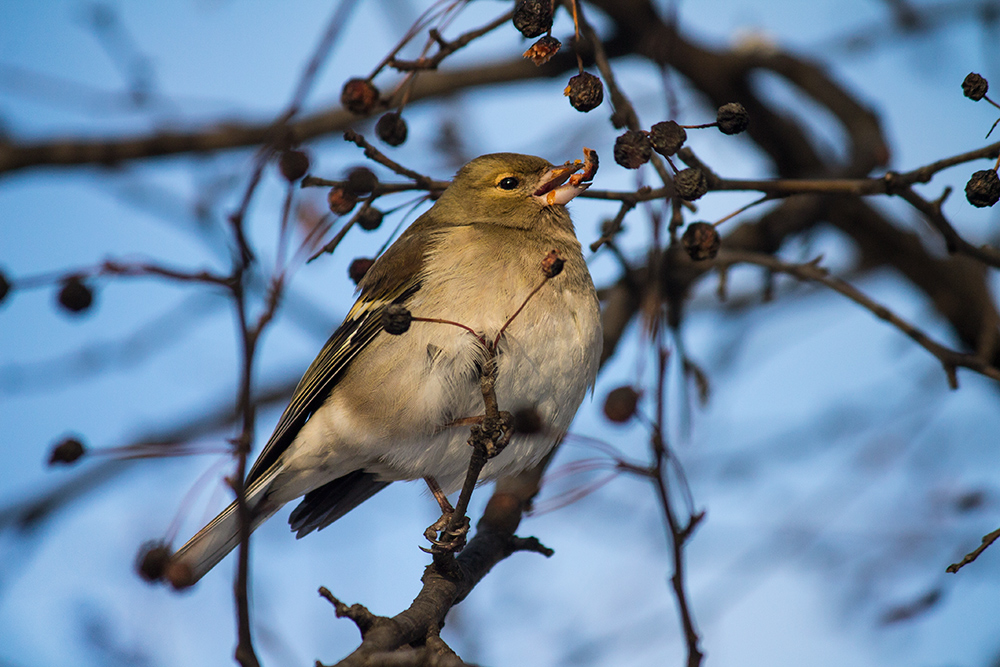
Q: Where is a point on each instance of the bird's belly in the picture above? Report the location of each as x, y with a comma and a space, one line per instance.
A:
411, 420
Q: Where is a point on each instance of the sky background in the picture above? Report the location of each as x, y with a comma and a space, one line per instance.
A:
831, 457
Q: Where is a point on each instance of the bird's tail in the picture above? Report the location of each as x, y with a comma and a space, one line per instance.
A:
213, 542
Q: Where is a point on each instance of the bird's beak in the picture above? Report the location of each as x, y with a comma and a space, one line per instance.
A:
554, 189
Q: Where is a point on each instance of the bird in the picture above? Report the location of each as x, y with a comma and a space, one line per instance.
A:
374, 408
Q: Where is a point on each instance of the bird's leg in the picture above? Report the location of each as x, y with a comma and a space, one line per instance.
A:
447, 511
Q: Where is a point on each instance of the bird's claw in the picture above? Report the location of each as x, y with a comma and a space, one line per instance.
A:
443, 539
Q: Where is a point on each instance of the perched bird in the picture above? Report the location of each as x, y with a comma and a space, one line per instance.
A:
375, 408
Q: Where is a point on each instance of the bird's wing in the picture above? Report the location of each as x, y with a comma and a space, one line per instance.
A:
363, 323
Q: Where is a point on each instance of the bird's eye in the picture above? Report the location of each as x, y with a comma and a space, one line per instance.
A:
508, 183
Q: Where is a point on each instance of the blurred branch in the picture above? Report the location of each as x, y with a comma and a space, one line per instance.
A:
988, 539
950, 359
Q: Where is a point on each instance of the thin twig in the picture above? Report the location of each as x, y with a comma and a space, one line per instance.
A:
988, 539
950, 359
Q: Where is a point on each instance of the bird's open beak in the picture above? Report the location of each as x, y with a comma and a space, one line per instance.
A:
554, 188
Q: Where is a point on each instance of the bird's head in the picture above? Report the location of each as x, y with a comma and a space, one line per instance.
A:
514, 190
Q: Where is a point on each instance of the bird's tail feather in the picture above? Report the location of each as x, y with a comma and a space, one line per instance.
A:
213, 542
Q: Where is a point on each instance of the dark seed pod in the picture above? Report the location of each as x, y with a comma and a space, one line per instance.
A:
975, 87
67, 451
359, 267
527, 421
4, 286
553, 264
151, 561
732, 118
359, 96
369, 218
632, 149
293, 165
533, 17
75, 296
396, 319
983, 189
361, 180
585, 92
391, 128
667, 137
701, 241
542, 51
621, 403
690, 184
341, 200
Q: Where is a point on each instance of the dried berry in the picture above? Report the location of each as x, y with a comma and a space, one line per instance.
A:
361, 180
690, 184
542, 51
552, 265
983, 189
701, 241
975, 87
293, 165
341, 200
527, 421
67, 451
667, 137
359, 96
152, 559
359, 267
369, 218
4, 286
732, 118
75, 296
632, 149
533, 17
585, 92
391, 128
396, 319
621, 403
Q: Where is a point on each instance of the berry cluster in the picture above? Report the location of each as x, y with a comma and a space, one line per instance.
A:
983, 188
634, 148
361, 97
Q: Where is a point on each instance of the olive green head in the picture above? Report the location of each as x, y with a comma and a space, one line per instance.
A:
498, 188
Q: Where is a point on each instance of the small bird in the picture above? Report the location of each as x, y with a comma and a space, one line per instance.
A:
374, 408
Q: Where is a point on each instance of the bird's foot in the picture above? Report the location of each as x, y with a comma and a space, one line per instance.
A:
444, 537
